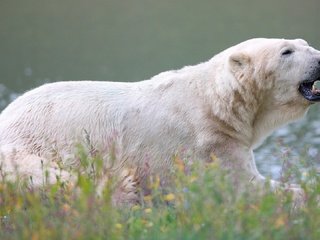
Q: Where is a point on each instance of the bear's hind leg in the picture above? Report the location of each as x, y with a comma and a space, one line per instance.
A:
31, 170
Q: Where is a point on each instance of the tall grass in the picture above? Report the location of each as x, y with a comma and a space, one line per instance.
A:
203, 204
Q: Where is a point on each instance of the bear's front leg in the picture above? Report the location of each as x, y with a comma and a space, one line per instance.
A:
239, 161
126, 191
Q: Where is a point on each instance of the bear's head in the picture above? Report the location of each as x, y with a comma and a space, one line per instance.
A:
280, 75
288, 68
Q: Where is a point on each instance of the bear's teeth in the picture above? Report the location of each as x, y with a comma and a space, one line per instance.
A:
314, 87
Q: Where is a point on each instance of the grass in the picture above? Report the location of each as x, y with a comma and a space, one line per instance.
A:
202, 205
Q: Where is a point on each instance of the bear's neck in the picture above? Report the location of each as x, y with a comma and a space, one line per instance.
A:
233, 105
248, 114
271, 117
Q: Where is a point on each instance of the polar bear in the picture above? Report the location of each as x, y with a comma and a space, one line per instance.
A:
226, 106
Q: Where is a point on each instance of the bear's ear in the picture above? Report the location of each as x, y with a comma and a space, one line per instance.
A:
239, 62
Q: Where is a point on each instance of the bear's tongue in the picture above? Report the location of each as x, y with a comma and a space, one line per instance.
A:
310, 91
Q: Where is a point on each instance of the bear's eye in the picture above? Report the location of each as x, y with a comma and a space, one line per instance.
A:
287, 52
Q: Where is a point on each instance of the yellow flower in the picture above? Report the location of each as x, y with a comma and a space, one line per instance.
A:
193, 178
213, 157
66, 208
118, 226
35, 236
147, 198
135, 207
280, 221
149, 224
214, 164
156, 182
169, 197
148, 210
163, 229
254, 207
179, 164
196, 227
75, 213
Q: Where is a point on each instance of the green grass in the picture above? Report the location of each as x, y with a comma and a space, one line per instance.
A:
202, 205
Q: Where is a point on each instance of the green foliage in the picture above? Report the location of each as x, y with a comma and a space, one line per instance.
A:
202, 205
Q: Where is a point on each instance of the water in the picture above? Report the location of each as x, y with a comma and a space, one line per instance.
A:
292, 144
48, 41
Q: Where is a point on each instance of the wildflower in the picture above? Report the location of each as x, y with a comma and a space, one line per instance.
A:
135, 207
163, 229
213, 157
193, 178
280, 221
35, 236
196, 227
148, 210
149, 224
179, 164
254, 207
66, 208
147, 198
214, 164
156, 183
169, 197
118, 226
75, 213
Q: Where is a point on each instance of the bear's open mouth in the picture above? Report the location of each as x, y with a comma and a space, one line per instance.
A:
309, 90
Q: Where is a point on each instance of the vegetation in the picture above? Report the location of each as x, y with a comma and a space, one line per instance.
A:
202, 205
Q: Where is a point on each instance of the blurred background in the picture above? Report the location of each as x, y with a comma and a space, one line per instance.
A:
130, 40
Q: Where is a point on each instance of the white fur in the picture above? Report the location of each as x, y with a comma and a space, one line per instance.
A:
226, 106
